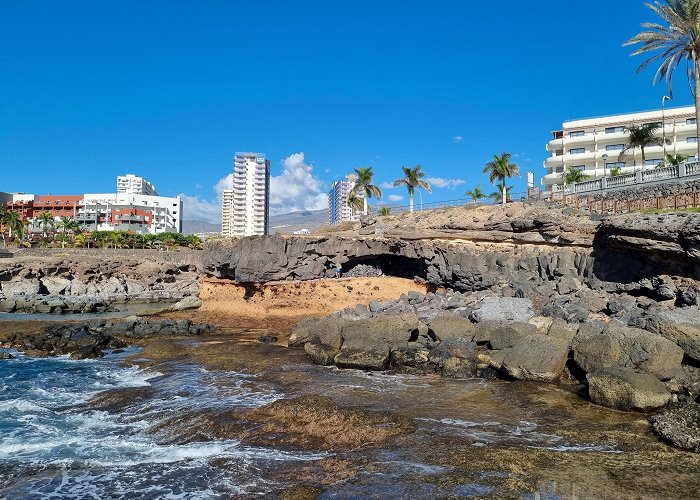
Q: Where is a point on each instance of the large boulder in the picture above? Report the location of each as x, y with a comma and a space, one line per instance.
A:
504, 336
450, 326
626, 390
624, 347
321, 354
680, 426
685, 335
381, 332
455, 358
363, 359
326, 330
536, 357
367, 343
503, 309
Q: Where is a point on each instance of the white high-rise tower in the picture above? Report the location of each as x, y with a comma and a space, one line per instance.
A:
245, 208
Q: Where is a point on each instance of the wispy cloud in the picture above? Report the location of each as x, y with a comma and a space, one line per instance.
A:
394, 198
458, 139
441, 183
296, 189
387, 185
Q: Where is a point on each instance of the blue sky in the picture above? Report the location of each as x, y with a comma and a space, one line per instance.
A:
170, 90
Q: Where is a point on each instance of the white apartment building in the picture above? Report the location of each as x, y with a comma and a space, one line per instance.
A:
133, 184
338, 208
245, 209
131, 212
593, 145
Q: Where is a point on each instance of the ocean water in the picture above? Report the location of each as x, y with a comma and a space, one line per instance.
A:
52, 445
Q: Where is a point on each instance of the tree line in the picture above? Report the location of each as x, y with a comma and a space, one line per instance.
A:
67, 232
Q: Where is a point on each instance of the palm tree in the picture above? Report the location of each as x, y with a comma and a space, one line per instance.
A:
45, 220
194, 242
673, 160
475, 194
13, 221
355, 203
640, 137
412, 179
676, 40
572, 176
499, 169
68, 225
364, 184
616, 171
497, 196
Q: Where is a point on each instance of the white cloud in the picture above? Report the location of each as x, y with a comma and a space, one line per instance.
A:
439, 182
195, 208
387, 185
395, 197
458, 139
296, 189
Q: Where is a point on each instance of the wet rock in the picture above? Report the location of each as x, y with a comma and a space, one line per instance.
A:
267, 339
626, 390
414, 356
448, 326
375, 359
455, 358
503, 309
6, 355
317, 422
624, 347
680, 425
536, 357
321, 354
382, 333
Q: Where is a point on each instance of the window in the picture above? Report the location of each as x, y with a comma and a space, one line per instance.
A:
691, 121
617, 164
579, 167
692, 139
614, 130
651, 163
614, 147
657, 124
577, 151
577, 133
559, 152
692, 158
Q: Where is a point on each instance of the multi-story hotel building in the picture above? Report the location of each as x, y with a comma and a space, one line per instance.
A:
245, 209
131, 212
338, 208
593, 145
136, 213
133, 184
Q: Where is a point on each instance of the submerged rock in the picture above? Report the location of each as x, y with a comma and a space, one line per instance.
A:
626, 390
679, 425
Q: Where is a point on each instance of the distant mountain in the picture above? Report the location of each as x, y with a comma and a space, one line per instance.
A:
295, 221
199, 227
283, 223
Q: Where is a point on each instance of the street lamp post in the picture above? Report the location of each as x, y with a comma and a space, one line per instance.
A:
605, 164
663, 122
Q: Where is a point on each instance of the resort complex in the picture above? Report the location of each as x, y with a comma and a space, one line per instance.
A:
129, 209
594, 145
245, 209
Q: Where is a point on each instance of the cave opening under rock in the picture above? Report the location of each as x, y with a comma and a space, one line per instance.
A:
391, 265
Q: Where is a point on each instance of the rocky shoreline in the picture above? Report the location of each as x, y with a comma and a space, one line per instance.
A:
85, 340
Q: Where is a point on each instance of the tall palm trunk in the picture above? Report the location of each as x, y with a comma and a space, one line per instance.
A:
364, 200
503, 191
410, 201
696, 64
